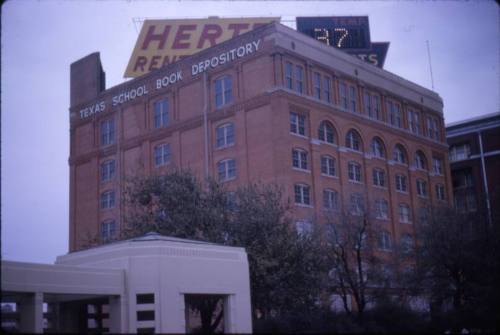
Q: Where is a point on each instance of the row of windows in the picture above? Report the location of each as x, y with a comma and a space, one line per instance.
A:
326, 133
356, 205
348, 99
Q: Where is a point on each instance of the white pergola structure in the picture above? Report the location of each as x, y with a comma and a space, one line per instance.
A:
136, 285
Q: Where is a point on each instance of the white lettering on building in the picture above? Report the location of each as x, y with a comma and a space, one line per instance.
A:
168, 79
94, 109
225, 57
129, 95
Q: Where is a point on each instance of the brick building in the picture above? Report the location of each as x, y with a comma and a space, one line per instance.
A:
475, 163
271, 105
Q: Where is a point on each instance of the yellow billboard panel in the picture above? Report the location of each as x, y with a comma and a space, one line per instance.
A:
162, 42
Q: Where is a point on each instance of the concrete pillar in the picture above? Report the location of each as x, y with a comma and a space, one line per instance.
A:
31, 313
117, 311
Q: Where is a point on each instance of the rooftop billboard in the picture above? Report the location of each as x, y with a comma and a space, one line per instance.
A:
162, 42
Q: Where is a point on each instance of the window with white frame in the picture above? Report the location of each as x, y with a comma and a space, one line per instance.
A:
399, 154
108, 170
378, 148
299, 78
108, 230
327, 92
328, 165
432, 128
162, 154
357, 204
421, 188
303, 227
326, 132
302, 194
161, 113
354, 171
394, 111
406, 243
459, 152
108, 132
385, 241
401, 185
317, 85
353, 140
223, 91
404, 213
414, 121
381, 209
299, 159
225, 135
108, 199
440, 195
330, 199
289, 75
378, 177
437, 165
226, 170
420, 161
372, 106
298, 124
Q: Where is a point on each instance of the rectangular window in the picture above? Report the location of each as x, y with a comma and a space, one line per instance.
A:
330, 199
226, 170
161, 113
145, 315
327, 166
327, 89
414, 121
299, 78
108, 170
223, 91
288, 75
297, 124
108, 199
162, 154
404, 213
421, 188
459, 152
394, 114
368, 104
357, 204
440, 192
317, 85
432, 128
299, 159
381, 209
145, 298
401, 183
437, 165
354, 171
108, 132
378, 177
225, 135
302, 194
108, 230
376, 107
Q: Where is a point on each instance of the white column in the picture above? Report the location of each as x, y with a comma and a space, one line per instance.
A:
31, 313
116, 315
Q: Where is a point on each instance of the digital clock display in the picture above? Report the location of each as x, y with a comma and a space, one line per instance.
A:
348, 33
351, 32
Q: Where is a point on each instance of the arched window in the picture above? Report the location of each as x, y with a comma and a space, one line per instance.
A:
326, 132
353, 140
420, 161
399, 154
378, 148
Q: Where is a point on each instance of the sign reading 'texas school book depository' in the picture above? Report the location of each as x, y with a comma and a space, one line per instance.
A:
162, 42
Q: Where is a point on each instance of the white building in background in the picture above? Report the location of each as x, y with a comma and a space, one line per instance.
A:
139, 285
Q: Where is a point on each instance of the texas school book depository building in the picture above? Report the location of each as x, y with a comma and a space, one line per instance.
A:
271, 105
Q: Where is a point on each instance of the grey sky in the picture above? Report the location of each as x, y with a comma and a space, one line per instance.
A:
41, 38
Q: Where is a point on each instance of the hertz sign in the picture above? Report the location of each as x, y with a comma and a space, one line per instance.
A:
162, 42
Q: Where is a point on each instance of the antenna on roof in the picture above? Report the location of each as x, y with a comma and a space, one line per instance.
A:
430, 64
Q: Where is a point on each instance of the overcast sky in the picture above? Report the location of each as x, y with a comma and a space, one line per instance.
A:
40, 39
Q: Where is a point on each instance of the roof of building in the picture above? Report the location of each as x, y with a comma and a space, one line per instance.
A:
474, 124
